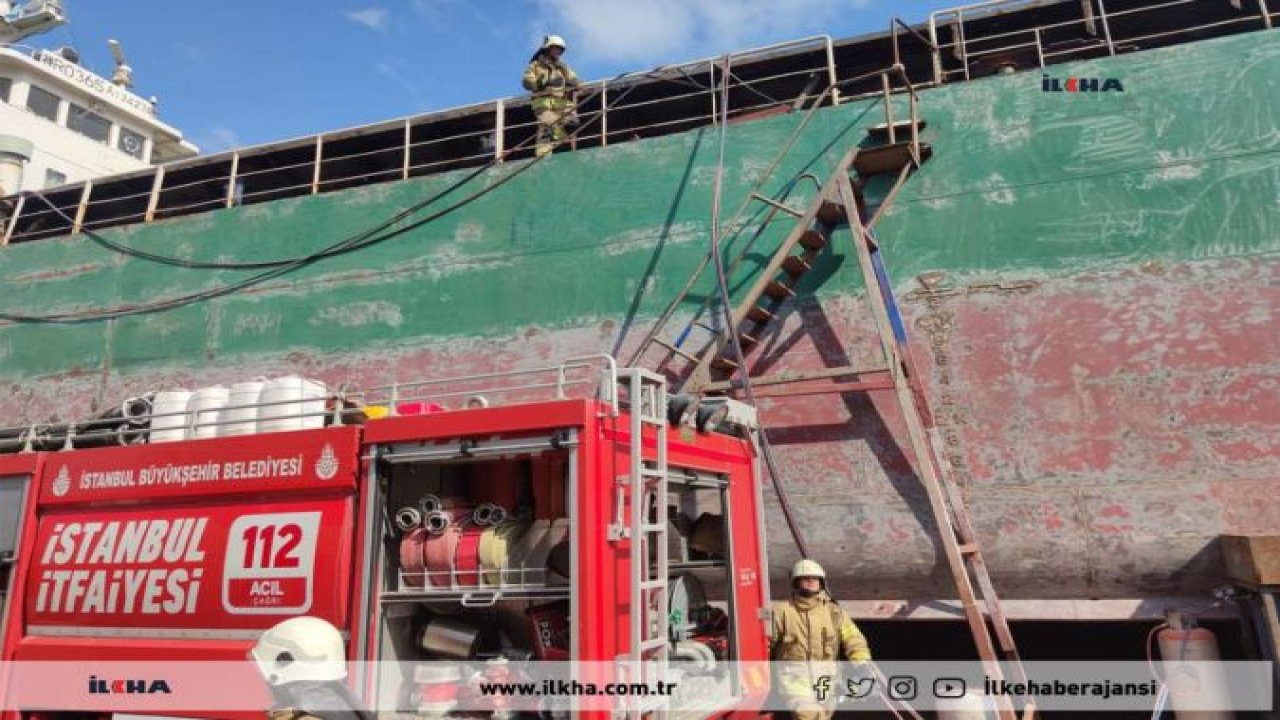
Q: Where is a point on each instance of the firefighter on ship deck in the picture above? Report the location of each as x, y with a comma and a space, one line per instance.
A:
553, 84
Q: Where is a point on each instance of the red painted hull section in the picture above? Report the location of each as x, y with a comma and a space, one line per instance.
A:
1106, 427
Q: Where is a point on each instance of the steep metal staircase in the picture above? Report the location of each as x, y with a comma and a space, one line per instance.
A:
792, 260
710, 369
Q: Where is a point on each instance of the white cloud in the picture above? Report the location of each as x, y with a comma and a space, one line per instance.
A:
415, 95
435, 12
218, 139
374, 18
193, 53
636, 31
448, 15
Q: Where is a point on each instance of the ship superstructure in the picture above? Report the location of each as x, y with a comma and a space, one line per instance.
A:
60, 122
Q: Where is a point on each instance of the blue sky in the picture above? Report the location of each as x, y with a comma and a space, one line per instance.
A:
244, 72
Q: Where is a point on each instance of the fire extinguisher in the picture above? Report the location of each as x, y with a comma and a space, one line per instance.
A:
1190, 673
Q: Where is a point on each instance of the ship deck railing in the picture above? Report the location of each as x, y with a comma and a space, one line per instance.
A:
976, 39
957, 44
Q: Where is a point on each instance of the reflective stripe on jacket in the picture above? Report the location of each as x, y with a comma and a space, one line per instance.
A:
809, 640
549, 82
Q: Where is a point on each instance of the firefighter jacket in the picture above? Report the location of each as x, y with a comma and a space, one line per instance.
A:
550, 83
809, 635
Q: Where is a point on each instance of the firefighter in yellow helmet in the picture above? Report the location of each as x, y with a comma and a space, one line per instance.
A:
303, 660
552, 83
810, 633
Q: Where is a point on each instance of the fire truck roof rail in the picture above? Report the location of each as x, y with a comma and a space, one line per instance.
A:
588, 376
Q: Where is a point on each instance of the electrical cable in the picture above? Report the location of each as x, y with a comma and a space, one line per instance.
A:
726, 306
279, 268
262, 264
759, 93
347, 245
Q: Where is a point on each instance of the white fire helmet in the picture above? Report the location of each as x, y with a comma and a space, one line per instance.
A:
551, 41
301, 648
807, 568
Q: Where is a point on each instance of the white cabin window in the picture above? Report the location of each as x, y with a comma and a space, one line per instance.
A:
131, 143
53, 178
88, 123
6, 85
43, 103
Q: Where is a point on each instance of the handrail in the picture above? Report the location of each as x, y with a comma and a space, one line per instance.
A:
492, 384
893, 30
337, 405
1092, 17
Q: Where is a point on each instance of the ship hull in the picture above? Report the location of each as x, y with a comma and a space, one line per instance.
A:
1090, 281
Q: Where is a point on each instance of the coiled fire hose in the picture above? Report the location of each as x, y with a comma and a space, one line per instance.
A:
412, 561
489, 514
468, 555
496, 545
408, 518
438, 552
429, 504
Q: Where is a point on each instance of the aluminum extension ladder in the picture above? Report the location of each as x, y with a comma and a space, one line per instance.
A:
646, 528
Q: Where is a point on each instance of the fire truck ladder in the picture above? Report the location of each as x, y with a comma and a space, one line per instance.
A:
710, 371
646, 527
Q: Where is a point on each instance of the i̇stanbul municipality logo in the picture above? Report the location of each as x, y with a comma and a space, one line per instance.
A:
327, 464
61, 482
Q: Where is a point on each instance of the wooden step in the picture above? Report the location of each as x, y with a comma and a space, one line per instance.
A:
832, 213
778, 291
759, 314
747, 341
812, 240
865, 379
796, 265
901, 129
886, 158
672, 348
725, 364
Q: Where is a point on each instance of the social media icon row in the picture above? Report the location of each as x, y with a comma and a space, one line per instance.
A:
898, 687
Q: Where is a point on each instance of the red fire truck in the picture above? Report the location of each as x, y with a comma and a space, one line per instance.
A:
452, 519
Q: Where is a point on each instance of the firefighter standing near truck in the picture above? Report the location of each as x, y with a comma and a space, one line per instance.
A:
304, 661
552, 83
810, 633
